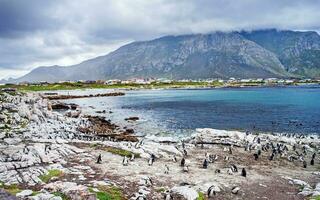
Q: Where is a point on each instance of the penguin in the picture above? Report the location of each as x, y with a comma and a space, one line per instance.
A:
258, 140
230, 150
168, 196
141, 196
183, 162
153, 157
304, 164
150, 162
166, 170
244, 172
312, 162
132, 157
226, 158
205, 164
125, 161
271, 157
230, 171
186, 169
256, 156
148, 181
174, 159
211, 192
313, 156
185, 153
99, 160
259, 152
217, 171
234, 168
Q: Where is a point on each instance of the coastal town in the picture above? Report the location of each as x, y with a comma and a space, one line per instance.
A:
157, 83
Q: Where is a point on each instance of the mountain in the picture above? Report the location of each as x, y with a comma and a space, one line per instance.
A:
298, 51
262, 53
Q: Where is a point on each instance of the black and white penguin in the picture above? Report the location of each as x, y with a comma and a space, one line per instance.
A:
271, 157
312, 162
166, 169
244, 172
256, 156
174, 159
230, 150
217, 171
132, 157
234, 168
150, 162
168, 196
211, 192
183, 162
125, 161
205, 164
304, 164
185, 153
141, 196
186, 169
99, 160
259, 152
153, 157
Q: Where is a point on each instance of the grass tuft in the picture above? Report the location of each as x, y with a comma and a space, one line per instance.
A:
201, 196
108, 193
121, 152
12, 189
51, 173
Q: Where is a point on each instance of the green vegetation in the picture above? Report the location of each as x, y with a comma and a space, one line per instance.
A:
12, 189
94, 145
161, 189
315, 198
51, 173
60, 194
201, 196
72, 86
34, 193
108, 193
121, 152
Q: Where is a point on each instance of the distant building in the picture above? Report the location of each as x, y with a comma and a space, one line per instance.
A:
9, 89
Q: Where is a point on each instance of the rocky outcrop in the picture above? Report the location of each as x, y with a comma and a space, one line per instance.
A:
63, 97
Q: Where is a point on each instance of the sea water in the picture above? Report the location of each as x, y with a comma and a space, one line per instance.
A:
181, 111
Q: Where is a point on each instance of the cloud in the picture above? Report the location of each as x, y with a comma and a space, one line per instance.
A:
38, 32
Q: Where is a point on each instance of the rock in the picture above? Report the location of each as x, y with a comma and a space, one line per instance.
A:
24, 193
12, 141
299, 182
235, 190
132, 119
45, 196
186, 191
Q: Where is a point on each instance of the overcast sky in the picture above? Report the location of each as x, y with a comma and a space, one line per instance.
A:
64, 32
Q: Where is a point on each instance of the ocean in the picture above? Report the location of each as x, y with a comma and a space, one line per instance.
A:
180, 111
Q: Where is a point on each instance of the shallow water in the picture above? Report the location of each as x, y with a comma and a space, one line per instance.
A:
179, 112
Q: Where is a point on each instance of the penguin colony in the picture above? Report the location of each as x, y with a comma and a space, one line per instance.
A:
259, 149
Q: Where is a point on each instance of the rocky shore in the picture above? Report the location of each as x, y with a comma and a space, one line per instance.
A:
49, 154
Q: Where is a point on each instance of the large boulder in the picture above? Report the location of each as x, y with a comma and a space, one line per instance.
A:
187, 192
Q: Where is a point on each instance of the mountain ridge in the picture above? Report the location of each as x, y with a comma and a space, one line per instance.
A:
254, 54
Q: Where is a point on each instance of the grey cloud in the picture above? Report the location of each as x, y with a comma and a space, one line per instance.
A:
49, 32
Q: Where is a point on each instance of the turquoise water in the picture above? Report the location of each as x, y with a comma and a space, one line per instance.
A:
281, 109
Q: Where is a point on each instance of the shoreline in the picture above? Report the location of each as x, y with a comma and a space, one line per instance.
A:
41, 141
173, 85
